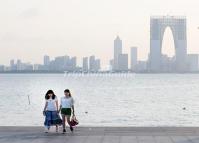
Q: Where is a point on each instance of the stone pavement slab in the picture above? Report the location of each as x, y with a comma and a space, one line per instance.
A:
101, 135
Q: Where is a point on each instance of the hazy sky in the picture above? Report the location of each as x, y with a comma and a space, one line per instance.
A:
30, 29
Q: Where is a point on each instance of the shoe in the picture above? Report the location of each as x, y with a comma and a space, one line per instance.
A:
71, 128
64, 131
46, 130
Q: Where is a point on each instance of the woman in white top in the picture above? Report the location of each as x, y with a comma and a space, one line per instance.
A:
51, 111
67, 108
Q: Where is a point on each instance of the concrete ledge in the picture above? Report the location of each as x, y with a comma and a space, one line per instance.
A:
101, 135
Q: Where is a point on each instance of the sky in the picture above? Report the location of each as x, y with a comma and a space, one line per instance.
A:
30, 29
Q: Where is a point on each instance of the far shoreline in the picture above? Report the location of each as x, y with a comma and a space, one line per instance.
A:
87, 73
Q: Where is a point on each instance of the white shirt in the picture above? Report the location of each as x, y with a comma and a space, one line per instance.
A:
67, 102
51, 104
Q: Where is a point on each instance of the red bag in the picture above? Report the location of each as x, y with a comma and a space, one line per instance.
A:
74, 121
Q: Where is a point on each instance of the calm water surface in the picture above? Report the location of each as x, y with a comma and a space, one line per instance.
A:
104, 100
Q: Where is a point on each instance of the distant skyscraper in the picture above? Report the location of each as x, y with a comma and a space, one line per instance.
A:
92, 63
73, 62
123, 62
59, 64
2, 68
12, 62
111, 62
117, 52
85, 64
12, 65
133, 58
46, 60
19, 65
193, 62
178, 28
97, 65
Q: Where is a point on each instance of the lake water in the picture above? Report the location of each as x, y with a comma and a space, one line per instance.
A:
104, 99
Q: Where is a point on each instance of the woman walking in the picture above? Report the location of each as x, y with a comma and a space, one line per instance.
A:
67, 108
51, 111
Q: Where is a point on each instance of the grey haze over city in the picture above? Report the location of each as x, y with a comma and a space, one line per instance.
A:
32, 29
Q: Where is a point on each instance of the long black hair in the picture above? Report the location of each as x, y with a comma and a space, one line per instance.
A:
67, 91
50, 92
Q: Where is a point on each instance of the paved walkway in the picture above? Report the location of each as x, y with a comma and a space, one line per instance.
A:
101, 135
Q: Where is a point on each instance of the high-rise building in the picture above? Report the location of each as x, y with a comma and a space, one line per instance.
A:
193, 62
133, 58
67, 63
178, 28
85, 64
13, 67
63, 63
97, 65
111, 62
46, 60
59, 64
19, 65
73, 62
92, 63
2, 68
27, 67
117, 52
123, 62
12, 62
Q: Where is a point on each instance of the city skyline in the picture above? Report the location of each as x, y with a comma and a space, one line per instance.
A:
54, 28
157, 60
80, 63
104, 67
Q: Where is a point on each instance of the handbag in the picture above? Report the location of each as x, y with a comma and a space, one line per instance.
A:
59, 120
74, 121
